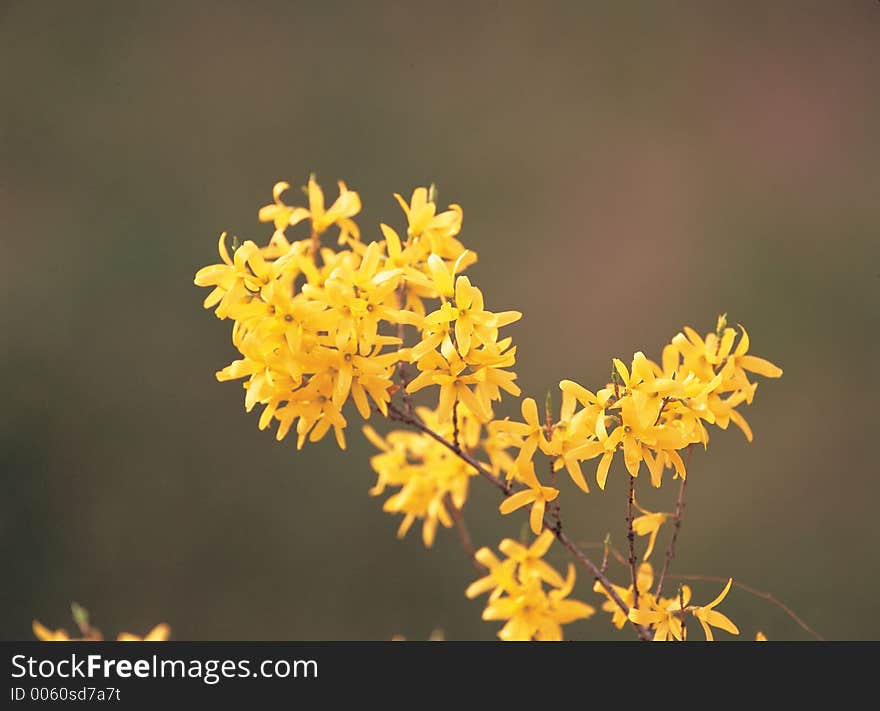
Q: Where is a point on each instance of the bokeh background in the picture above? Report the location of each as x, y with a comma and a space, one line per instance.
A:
625, 169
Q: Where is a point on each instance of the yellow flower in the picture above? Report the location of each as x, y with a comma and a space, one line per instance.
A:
454, 384
644, 579
442, 275
391, 463
312, 408
530, 611
426, 472
346, 206
663, 615
160, 633
530, 560
536, 495
564, 444
409, 263
236, 280
562, 610
533, 613
709, 617
654, 412
486, 364
436, 231
472, 322
309, 321
648, 524
46, 635
278, 212
760, 637
524, 611
500, 579
530, 432
740, 360
317, 327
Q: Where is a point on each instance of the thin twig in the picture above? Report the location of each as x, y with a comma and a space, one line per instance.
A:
394, 413
679, 510
548, 429
631, 539
402, 370
663, 404
682, 613
555, 508
455, 423
757, 593
464, 535
643, 633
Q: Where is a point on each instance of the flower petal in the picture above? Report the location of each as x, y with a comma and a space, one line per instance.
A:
517, 501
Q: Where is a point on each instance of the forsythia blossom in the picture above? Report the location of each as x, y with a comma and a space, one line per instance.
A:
87, 633
665, 616
429, 475
308, 319
323, 331
650, 411
518, 594
648, 524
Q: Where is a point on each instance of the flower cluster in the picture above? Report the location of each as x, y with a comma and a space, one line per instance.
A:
649, 411
88, 633
517, 593
318, 326
308, 319
665, 616
431, 477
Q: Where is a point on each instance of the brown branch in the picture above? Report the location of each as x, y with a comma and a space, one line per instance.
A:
643, 632
757, 593
682, 613
402, 370
663, 404
464, 535
555, 508
413, 420
395, 414
548, 429
631, 539
679, 510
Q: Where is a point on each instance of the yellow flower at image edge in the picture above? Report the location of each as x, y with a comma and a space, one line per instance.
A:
517, 593
537, 614
159, 633
709, 617
44, 634
665, 615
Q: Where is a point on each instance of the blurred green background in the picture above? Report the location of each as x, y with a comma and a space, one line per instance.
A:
625, 169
